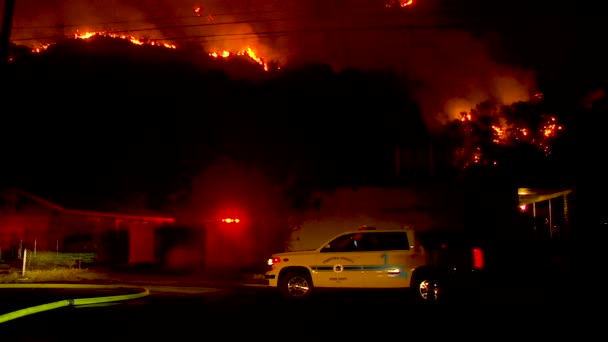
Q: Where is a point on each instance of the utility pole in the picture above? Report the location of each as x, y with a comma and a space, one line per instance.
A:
7, 25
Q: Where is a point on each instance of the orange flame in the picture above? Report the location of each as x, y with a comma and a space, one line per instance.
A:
549, 129
222, 53
504, 133
41, 48
251, 54
248, 51
400, 3
465, 117
134, 40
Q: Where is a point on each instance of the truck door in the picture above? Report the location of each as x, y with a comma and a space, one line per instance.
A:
388, 260
339, 263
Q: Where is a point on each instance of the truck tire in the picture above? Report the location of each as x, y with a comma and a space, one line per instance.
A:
428, 289
296, 285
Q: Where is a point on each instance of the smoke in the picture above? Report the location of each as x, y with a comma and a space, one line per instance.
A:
448, 70
593, 97
231, 189
453, 72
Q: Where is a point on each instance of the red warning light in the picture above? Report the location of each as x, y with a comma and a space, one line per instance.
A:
231, 220
478, 258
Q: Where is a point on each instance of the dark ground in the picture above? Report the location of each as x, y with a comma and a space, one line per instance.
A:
242, 312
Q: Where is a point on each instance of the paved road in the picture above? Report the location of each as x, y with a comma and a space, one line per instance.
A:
243, 312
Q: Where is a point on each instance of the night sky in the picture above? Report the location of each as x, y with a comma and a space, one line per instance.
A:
356, 78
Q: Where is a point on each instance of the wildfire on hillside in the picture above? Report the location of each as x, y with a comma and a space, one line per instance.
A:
489, 126
247, 51
134, 40
88, 35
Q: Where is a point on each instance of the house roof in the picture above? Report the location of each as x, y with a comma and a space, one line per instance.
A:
534, 195
60, 208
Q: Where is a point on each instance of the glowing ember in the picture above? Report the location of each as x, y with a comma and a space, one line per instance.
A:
500, 134
550, 127
248, 51
41, 48
400, 3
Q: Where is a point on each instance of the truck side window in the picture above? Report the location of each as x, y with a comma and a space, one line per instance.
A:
393, 241
370, 242
344, 243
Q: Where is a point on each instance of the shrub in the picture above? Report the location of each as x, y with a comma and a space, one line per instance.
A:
53, 260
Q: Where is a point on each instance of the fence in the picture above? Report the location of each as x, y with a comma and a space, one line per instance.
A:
54, 260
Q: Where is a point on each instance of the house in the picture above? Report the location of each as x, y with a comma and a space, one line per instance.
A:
34, 223
546, 211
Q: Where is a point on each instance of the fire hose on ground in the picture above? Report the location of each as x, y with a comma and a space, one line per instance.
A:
69, 302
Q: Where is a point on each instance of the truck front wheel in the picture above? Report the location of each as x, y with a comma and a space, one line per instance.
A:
296, 285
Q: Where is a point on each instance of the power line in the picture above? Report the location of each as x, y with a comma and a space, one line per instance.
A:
160, 28
456, 11
285, 32
304, 31
60, 26
146, 20
207, 24
268, 34
171, 27
363, 15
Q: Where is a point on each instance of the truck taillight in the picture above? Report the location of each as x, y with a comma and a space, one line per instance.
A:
478, 258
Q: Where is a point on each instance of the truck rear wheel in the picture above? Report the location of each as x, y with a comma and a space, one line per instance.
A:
296, 285
428, 289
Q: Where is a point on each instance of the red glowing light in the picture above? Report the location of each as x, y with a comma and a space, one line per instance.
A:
272, 261
478, 260
231, 220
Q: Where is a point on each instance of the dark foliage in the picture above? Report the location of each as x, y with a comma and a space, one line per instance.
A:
104, 113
